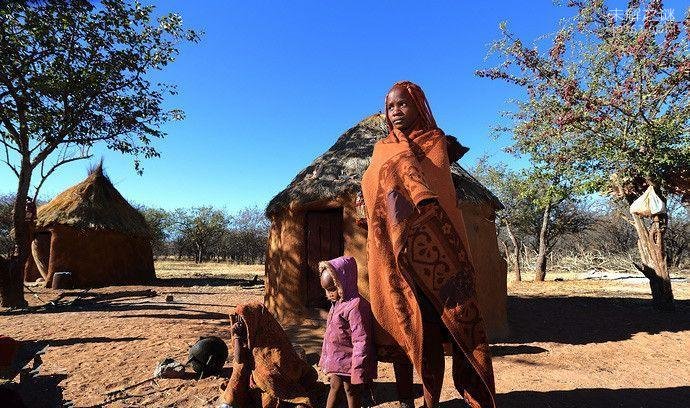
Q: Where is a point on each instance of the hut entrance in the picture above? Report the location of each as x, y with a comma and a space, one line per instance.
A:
324, 242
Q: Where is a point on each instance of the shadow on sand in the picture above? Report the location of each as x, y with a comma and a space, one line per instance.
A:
598, 398
43, 391
121, 301
582, 320
83, 340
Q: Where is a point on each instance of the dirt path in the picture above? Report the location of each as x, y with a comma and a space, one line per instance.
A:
575, 343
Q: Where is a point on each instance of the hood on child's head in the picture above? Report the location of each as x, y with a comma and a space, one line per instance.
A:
345, 269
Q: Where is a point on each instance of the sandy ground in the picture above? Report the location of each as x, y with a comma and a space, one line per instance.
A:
587, 341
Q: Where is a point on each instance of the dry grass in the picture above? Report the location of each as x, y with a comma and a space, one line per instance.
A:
179, 269
592, 266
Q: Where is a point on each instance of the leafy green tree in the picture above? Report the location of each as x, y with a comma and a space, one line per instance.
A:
538, 210
74, 73
201, 231
160, 225
248, 235
607, 107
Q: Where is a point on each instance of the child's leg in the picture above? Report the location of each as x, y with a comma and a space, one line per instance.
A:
353, 394
404, 382
336, 386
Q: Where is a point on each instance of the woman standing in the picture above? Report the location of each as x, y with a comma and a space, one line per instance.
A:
420, 273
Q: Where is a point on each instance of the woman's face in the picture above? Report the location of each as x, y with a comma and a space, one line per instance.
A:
401, 110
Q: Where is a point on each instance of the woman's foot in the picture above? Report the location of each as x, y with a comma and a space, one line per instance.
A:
407, 403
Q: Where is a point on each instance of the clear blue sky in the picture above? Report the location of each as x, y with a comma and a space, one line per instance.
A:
272, 84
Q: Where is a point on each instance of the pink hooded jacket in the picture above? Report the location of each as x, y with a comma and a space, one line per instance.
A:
348, 344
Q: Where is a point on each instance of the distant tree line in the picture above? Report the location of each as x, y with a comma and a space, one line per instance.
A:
207, 233
201, 234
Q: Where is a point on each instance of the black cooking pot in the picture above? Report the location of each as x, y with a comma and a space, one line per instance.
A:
207, 357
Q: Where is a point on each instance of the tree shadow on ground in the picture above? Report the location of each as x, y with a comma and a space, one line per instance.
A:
582, 320
382, 392
120, 301
504, 350
455, 403
84, 300
195, 314
387, 392
42, 391
84, 340
598, 398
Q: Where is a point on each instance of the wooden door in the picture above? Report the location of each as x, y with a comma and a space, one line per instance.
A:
324, 241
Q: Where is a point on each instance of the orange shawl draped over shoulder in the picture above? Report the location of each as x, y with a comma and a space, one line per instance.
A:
411, 250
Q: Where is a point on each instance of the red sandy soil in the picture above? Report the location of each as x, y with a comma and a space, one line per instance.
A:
573, 343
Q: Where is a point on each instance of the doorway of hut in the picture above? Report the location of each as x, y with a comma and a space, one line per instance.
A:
324, 241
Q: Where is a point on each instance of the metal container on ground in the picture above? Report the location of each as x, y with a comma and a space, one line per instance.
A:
62, 280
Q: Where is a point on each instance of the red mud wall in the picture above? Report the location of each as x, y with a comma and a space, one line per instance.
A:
491, 274
285, 258
100, 258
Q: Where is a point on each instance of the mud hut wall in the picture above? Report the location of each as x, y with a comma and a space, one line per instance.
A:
271, 265
355, 243
491, 278
99, 258
284, 262
286, 255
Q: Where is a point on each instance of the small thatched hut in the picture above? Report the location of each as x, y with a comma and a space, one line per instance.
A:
93, 232
313, 219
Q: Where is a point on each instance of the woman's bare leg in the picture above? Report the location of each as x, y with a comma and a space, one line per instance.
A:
336, 386
404, 383
434, 363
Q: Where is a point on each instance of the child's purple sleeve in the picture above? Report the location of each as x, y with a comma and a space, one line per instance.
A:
363, 358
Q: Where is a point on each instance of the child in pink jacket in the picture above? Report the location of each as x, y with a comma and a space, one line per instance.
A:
347, 355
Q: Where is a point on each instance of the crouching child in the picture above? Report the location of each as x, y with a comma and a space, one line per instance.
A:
266, 370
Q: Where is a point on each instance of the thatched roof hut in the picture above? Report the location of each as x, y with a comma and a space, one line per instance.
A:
339, 171
313, 219
93, 232
93, 204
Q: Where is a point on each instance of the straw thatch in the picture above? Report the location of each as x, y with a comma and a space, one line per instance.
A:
93, 204
339, 171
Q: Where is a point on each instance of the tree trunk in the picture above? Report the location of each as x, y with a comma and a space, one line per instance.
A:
650, 244
12, 279
540, 267
516, 253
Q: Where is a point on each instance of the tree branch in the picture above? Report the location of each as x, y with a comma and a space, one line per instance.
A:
7, 161
55, 166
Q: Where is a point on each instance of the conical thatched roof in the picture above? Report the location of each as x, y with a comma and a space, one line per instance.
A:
93, 204
339, 170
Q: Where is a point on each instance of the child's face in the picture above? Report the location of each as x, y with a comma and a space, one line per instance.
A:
328, 284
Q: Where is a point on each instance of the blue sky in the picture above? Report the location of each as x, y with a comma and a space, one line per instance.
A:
272, 85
